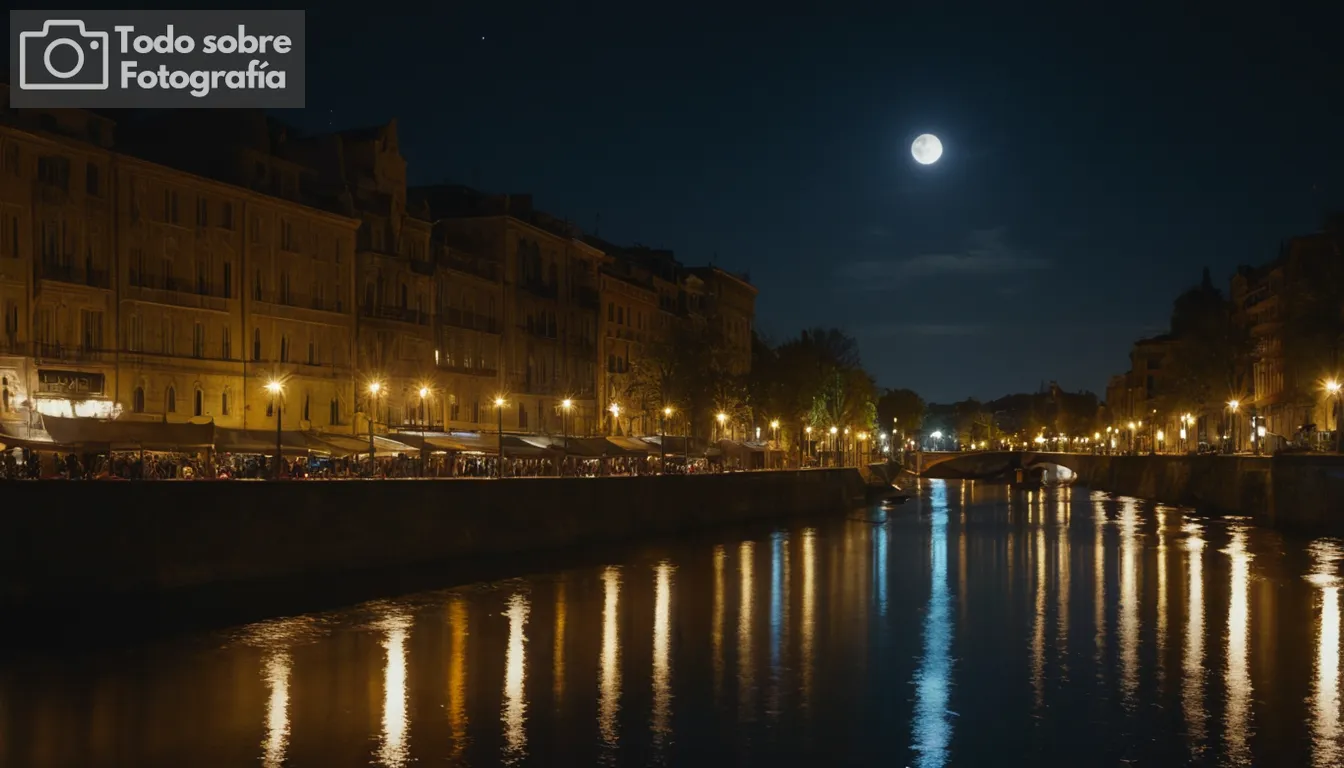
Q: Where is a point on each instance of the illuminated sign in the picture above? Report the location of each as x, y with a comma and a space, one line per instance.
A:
69, 383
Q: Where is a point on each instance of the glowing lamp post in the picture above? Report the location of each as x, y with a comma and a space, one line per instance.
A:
662, 440
375, 388
808, 439
424, 418
499, 415
1332, 390
566, 406
721, 417
276, 389
1234, 406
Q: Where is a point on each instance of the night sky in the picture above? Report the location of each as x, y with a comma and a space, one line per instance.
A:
1093, 163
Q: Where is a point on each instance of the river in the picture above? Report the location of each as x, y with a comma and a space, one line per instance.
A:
974, 626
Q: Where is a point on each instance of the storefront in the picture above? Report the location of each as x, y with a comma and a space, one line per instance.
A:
69, 393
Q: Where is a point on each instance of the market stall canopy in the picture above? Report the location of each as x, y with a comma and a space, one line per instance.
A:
386, 445
125, 434
585, 447
458, 442
633, 445
732, 448
342, 446
677, 446
515, 446
20, 436
261, 441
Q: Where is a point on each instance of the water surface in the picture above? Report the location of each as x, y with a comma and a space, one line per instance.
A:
976, 627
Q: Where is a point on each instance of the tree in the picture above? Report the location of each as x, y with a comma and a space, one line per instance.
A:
1208, 355
900, 409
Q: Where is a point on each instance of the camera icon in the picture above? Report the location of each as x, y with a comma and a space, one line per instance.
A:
45, 58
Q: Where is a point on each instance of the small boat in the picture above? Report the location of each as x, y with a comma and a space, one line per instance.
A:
1042, 476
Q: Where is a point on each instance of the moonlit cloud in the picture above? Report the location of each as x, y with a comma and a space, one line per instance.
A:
986, 254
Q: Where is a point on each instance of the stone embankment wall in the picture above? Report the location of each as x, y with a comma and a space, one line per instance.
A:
100, 540
1301, 492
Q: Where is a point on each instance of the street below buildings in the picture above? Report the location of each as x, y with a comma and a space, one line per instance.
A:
971, 623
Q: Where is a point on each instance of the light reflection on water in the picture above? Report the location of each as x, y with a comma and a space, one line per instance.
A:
848, 641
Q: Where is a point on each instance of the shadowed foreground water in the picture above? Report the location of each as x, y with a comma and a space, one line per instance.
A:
977, 627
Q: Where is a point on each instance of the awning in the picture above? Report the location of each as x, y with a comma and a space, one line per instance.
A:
677, 446
585, 447
516, 446
342, 445
633, 445
261, 441
386, 445
124, 434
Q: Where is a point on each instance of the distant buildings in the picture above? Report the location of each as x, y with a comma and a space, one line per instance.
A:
168, 268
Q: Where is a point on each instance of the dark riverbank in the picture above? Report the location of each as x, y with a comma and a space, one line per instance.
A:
1299, 492
152, 556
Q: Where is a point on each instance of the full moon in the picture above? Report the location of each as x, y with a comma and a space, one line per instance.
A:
927, 149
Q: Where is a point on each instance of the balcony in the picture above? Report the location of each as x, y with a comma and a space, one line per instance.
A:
422, 267
468, 370
539, 332
69, 273
538, 288
587, 297
70, 353
469, 320
484, 269
399, 314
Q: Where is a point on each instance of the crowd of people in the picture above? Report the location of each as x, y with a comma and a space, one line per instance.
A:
26, 464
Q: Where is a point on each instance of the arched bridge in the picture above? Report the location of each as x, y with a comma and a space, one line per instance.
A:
977, 464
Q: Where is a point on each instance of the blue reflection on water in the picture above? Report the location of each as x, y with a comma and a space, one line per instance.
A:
776, 595
933, 679
880, 571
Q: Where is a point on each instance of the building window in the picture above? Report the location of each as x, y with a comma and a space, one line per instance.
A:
93, 183
228, 280
225, 347
312, 353
198, 407
611, 313
256, 286
284, 349
136, 342
270, 408
138, 400
226, 216
170, 400
256, 345
54, 171
202, 212
287, 242
256, 230
305, 407
224, 403
522, 416
198, 340
284, 286
335, 411
170, 210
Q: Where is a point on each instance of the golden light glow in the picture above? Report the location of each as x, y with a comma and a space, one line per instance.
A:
1237, 674
274, 387
1234, 404
499, 402
1332, 387
834, 430
774, 424
424, 393
746, 664
722, 417
609, 680
559, 652
1129, 602
1038, 620
1325, 699
457, 675
809, 612
667, 411
808, 430
566, 404
716, 633
1192, 688
277, 709
615, 409
1096, 435
393, 749
514, 712
374, 388
662, 662
1131, 426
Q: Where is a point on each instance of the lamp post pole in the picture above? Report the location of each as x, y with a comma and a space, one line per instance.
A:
424, 417
276, 389
499, 412
374, 389
565, 405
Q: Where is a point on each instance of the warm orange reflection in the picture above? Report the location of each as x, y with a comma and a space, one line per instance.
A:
1038, 636
1129, 601
393, 750
559, 652
457, 675
514, 712
609, 682
662, 662
809, 611
746, 681
1238, 673
1062, 579
1099, 577
1192, 693
1161, 596
277, 708
1326, 751
716, 633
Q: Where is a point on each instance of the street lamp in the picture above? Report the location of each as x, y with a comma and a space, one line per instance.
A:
499, 411
424, 418
375, 388
662, 440
615, 417
721, 417
1332, 389
807, 431
1233, 406
566, 406
276, 389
